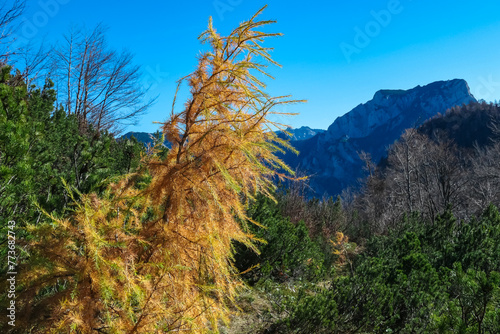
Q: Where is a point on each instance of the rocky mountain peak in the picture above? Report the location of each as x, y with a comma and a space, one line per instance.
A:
390, 106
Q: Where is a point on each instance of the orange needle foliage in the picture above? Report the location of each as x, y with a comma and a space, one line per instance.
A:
158, 258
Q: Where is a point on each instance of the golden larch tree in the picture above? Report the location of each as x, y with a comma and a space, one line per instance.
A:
154, 253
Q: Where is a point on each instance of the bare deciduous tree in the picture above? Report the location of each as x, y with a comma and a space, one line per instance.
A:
443, 179
9, 12
99, 85
423, 175
32, 60
486, 171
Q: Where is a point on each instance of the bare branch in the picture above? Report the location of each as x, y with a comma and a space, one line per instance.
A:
8, 16
101, 86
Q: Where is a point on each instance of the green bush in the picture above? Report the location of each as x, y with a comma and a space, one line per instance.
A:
425, 277
286, 253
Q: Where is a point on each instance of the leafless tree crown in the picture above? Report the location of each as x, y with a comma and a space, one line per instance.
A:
10, 11
102, 87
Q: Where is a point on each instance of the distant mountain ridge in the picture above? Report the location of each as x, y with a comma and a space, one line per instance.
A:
302, 133
332, 157
143, 137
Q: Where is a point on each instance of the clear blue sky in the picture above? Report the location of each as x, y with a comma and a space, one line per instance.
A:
325, 58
